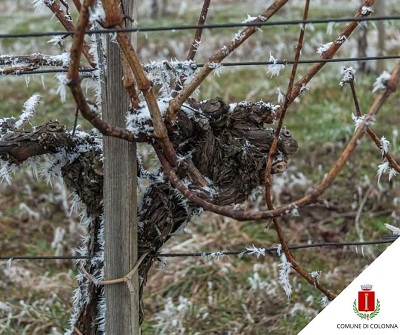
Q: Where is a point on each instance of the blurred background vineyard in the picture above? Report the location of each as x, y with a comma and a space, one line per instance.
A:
201, 295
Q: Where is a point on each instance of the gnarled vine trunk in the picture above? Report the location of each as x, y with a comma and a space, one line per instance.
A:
228, 144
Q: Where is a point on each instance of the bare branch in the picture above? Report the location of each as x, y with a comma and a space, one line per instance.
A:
197, 36
329, 53
268, 197
144, 85
176, 103
195, 45
312, 196
74, 83
284, 109
66, 21
392, 162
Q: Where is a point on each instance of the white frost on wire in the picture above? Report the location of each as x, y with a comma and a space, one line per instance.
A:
274, 69
9, 263
216, 254
329, 27
381, 82
255, 251
62, 89
382, 168
324, 47
63, 58
284, 270
393, 229
7, 170
27, 112
56, 40
384, 145
392, 173
349, 74
281, 96
279, 249
217, 67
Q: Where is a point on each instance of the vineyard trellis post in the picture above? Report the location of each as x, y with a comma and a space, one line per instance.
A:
122, 304
381, 11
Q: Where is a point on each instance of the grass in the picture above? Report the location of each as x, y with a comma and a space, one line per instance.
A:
231, 295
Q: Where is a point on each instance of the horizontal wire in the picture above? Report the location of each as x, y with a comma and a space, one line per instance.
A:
232, 64
45, 71
388, 239
205, 26
295, 247
34, 258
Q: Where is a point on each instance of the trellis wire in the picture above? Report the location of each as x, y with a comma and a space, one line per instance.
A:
387, 239
206, 26
228, 64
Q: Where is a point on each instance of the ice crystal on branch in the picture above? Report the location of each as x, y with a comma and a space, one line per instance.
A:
349, 74
341, 39
250, 18
392, 173
323, 48
315, 274
358, 120
27, 113
41, 5
381, 82
324, 301
274, 69
97, 13
164, 73
393, 229
365, 11
304, 88
384, 145
382, 168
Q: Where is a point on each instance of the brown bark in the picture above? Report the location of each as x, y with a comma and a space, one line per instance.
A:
228, 145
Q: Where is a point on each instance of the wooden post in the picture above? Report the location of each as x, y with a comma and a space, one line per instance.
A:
380, 10
120, 182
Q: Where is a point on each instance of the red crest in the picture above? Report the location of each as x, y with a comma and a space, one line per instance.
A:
366, 299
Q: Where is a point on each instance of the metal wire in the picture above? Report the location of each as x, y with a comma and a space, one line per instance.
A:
233, 64
387, 239
206, 26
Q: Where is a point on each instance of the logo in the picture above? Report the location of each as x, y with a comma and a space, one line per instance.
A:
365, 306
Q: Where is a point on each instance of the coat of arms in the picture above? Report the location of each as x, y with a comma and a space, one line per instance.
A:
365, 306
